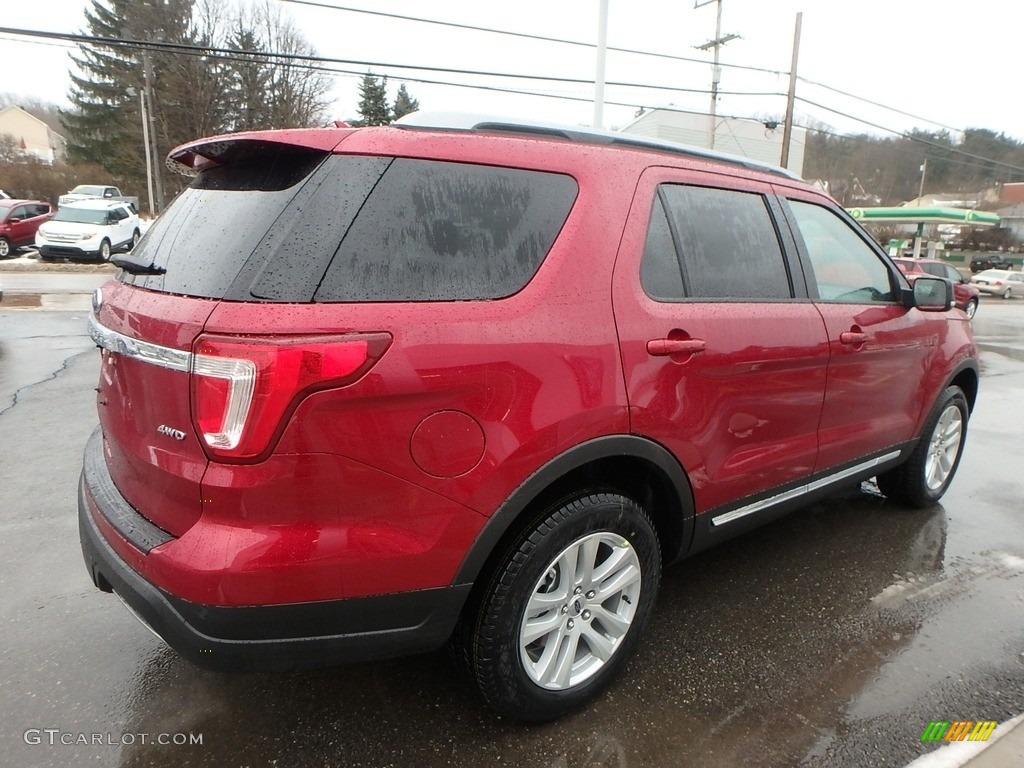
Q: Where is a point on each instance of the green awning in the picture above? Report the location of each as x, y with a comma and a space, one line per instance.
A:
911, 215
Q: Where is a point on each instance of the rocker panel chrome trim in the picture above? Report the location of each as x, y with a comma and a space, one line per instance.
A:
802, 490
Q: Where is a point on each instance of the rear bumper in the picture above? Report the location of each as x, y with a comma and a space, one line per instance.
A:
281, 636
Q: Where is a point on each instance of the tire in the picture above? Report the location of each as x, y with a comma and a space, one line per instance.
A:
971, 309
543, 606
104, 252
5, 248
924, 477
1006, 294
136, 236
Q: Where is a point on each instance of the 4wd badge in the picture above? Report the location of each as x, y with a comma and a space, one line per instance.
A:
177, 434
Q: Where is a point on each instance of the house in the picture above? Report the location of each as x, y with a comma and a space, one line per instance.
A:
1012, 193
1012, 218
753, 139
31, 135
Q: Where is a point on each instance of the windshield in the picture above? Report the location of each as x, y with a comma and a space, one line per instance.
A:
80, 216
86, 189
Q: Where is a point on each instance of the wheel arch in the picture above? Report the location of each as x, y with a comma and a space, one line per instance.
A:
628, 464
966, 377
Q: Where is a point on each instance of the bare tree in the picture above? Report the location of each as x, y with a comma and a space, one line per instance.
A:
296, 92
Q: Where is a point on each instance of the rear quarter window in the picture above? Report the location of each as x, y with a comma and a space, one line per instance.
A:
443, 231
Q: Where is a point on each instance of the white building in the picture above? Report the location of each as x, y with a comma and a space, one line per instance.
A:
31, 135
751, 139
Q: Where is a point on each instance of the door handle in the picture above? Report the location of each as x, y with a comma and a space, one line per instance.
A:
853, 338
664, 347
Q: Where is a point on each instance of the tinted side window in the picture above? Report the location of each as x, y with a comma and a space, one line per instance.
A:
939, 270
436, 231
728, 244
659, 268
845, 268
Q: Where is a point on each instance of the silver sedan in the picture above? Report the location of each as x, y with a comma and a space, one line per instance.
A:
999, 282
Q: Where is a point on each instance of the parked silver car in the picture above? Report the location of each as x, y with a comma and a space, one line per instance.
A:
999, 282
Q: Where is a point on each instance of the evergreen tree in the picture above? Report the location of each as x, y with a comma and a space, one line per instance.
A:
105, 124
250, 81
404, 103
192, 95
373, 101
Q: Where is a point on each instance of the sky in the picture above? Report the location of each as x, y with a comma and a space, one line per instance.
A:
923, 64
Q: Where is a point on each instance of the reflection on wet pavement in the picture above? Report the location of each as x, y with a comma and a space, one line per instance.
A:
829, 638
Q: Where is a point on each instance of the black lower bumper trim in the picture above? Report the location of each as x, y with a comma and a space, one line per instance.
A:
275, 636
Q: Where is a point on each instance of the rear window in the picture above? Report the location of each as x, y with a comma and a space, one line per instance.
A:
211, 230
291, 225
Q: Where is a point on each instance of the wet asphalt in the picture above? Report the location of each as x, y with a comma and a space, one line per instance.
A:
830, 638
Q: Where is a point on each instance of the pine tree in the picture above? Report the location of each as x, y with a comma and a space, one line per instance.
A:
373, 101
193, 95
404, 103
104, 125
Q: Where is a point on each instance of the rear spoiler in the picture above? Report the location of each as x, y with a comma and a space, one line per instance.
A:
197, 156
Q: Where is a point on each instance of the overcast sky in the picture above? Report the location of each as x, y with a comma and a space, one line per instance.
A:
949, 66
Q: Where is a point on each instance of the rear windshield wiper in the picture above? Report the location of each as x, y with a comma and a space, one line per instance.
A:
135, 268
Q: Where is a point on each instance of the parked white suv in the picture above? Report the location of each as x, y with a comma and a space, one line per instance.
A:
90, 229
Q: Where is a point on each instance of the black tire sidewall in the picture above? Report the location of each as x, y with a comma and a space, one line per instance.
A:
951, 396
907, 483
109, 252
495, 656
9, 249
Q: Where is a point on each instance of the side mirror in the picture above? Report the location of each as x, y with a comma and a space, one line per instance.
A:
932, 294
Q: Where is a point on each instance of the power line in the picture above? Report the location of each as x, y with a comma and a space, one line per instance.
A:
315, 62
911, 137
524, 35
877, 104
578, 43
928, 155
154, 45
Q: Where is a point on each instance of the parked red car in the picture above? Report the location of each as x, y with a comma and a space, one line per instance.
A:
19, 220
965, 295
367, 391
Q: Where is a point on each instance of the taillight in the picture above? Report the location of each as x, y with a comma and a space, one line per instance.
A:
244, 387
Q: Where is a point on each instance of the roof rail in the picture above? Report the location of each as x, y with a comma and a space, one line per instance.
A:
467, 121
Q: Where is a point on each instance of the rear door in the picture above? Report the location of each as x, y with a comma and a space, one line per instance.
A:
22, 229
723, 355
880, 349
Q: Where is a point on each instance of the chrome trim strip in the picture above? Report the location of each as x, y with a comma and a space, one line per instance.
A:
802, 490
165, 357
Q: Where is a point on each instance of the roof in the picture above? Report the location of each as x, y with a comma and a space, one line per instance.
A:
475, 123
8, 202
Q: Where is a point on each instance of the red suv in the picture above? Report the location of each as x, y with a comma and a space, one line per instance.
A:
367, 391
19, 220
965, 295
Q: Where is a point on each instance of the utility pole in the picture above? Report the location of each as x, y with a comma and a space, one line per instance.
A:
147, 68
602, 47
716, 71
787, 129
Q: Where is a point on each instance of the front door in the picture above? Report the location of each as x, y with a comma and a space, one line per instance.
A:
879, 348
